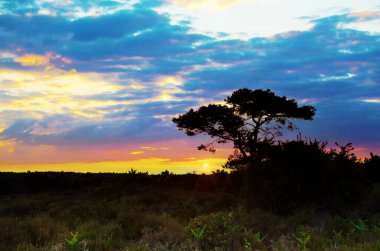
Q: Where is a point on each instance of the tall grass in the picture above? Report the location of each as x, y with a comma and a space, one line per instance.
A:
172, 214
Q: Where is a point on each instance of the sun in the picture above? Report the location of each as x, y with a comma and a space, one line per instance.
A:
205, 166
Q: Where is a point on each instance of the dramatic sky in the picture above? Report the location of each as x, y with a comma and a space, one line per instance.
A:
93, 85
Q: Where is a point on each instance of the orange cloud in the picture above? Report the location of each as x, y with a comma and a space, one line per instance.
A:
150, 148
366, 14
41, 60
32, 60
61, 90
136, 152
7, 146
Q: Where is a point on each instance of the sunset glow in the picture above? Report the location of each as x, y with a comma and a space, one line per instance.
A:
93, 86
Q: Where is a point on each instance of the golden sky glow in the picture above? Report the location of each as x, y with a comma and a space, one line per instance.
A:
54, 91
94, 85
32, 60
48, 90
151, 165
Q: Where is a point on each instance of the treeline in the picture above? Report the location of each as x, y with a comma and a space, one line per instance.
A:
290, 175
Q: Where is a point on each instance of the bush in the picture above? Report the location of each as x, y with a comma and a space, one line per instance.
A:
222, 230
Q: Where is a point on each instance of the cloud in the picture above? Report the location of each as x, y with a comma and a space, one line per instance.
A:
121, 75
366, 14
32, 60
130, 23
138, 32
136, 152
332, 65
372, 100
206, 4
54, 91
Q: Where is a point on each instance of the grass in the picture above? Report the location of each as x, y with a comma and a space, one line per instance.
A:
107, 212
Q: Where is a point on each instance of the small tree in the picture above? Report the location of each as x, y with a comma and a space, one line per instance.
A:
249, 119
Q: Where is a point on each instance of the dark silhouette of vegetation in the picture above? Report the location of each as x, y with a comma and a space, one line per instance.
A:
280, 175
303, 173
316, 196
251, 119
278, 194
371, 167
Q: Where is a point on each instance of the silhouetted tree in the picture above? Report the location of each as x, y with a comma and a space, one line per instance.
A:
250, 119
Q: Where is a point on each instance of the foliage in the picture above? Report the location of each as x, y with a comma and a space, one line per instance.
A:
336, 238
250, 119
158, 212
303, 239
360, 225
257, 237
198, 234
73, 243
302, 173
223, 230
215, 230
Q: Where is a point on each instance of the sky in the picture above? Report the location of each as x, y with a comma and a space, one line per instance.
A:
92, 86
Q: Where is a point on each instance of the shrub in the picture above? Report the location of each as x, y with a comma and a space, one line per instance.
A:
222, 230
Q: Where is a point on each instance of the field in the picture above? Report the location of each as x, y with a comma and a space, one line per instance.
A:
137, 211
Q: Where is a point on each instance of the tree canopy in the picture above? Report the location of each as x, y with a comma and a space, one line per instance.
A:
248, 119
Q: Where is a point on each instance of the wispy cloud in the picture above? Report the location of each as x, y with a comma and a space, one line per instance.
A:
210, 5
